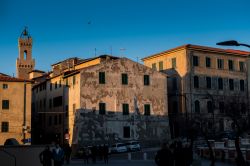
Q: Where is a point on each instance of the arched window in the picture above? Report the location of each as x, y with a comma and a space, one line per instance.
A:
25, 54
197, 106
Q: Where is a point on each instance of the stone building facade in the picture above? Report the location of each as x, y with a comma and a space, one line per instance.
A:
24, 62
15, 109
203, 84
104, 100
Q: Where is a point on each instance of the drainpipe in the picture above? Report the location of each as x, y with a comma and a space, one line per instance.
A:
24, 113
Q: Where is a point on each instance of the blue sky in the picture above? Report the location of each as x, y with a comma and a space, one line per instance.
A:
67, 28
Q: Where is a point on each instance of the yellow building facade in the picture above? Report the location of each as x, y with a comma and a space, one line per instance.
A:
15, 109
203, 82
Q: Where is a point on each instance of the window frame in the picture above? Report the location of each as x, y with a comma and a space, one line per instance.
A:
124, 78
147, 110
5, 104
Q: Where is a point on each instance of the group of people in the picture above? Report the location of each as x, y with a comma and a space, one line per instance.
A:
57, 154
93, 152
175, 154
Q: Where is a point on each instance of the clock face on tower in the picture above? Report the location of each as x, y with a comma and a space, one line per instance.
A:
24, 62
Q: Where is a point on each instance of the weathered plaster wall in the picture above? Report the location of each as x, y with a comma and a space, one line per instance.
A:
91, 126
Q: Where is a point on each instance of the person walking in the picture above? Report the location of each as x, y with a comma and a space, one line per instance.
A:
164, 156
46, 157
67, 151
58, 155
106, 154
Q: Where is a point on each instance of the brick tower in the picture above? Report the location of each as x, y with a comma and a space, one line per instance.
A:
24, 62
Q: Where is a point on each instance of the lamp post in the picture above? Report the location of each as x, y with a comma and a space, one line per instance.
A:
232, 43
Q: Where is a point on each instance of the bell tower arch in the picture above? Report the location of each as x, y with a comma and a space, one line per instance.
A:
24, 62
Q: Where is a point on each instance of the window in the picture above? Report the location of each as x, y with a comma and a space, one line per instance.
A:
57, 101
231, 84
195, 61
101, 77
173, 63
242, 85
209, 107
125, 109
154, 66
55, 120
124, 79
220, 83
146, 80
147, 109
230, 65
74, 80
241, 66
221, 107
220, 63
5, 104
197, 106
126, 132
208, 80
160, 65
196, 82
208, 62
5, 86
102, 108
5, 127
55, 85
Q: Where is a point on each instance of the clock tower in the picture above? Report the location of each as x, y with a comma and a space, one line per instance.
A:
24, 62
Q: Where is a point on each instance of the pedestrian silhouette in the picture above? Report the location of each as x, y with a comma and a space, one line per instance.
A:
58, 155
46, 157
164, 156
67, 152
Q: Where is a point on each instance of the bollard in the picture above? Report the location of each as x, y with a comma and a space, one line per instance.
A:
144, 156
129, 156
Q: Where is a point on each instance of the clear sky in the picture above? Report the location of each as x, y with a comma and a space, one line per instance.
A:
68, 28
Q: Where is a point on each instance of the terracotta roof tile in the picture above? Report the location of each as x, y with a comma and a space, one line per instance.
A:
12, 79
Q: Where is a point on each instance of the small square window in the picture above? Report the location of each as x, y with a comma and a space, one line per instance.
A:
124, 79
125, 109
173, 63
5, 86
102, 108
126, 132
208, 62
160, 65
5, 127
5, 104
146, 80
195, 61
154, 66
102, 78
147, 109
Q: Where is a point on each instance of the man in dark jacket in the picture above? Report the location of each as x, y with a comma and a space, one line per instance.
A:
46, 157
164, 156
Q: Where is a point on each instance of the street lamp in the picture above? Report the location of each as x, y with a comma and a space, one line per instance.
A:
232, 43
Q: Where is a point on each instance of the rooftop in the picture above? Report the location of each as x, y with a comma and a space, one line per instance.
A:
201, 48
